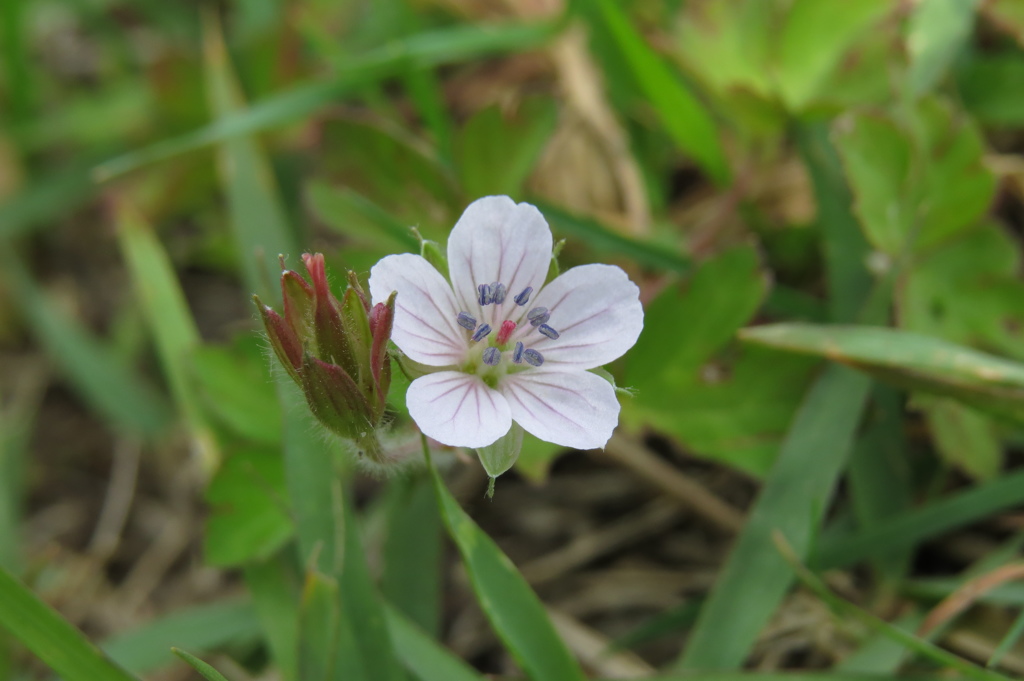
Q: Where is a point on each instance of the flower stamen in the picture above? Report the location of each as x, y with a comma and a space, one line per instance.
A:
533, 357
486, 296
538, 316
481, 332
466, 321
498, 293
517, 354
492, 356
548, 331
524, 297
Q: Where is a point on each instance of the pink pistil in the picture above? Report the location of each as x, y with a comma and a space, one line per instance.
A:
505, 332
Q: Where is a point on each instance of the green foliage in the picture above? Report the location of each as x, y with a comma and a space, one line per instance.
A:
754, 165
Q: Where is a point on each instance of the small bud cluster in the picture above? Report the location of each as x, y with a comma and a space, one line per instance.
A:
335, 350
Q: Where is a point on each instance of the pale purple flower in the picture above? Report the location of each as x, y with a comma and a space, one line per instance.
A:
506, 347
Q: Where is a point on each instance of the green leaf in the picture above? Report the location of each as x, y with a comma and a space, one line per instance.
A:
908, 360
986, 83
249, 518
917, 184
964, 437
105, 382
356, 216
495, 155
968, 292
813, 40
684, 328
937, 31
684, 117
53, 639
207, 672
793, 499
235, 386
509, 603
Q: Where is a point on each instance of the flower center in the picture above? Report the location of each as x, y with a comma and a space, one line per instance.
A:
495, 350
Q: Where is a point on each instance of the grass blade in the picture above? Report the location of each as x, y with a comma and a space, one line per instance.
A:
511, 606
685, 119
169, 320
603, 240
423, 656
205, 627
792, 501
52, 638
912, 527
423, 50
207, 672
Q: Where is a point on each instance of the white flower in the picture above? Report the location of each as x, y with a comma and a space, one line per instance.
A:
507, 347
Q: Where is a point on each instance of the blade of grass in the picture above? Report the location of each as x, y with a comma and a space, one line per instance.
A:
103, 380
685, 119
423, 656
412, 553
798, 489
511, 606
1013, 635
423, 50
205, 627
912, 527
908, 640
258, 221
169, 320
18, 90
53, 639
275, 598
204, 669
318, 630
46, 198
794, 497
602, 239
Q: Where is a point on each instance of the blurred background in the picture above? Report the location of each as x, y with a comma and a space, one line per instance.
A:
746, 161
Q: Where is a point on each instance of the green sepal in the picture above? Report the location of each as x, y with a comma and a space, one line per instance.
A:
286, 344
501, 455
431, 251
553, 269
335, 399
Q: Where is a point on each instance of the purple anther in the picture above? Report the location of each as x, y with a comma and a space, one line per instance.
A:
533, 357
481, 332
524, 297
541, 318
548, 331
486, 296
517, 353
492, 356
466, 321
498, 293
536, 313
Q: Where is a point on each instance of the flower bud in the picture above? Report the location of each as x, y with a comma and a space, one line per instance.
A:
336, 351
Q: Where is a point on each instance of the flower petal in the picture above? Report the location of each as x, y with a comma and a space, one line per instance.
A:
458, 409
572, 408
425, 309
597, 313
498, 240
